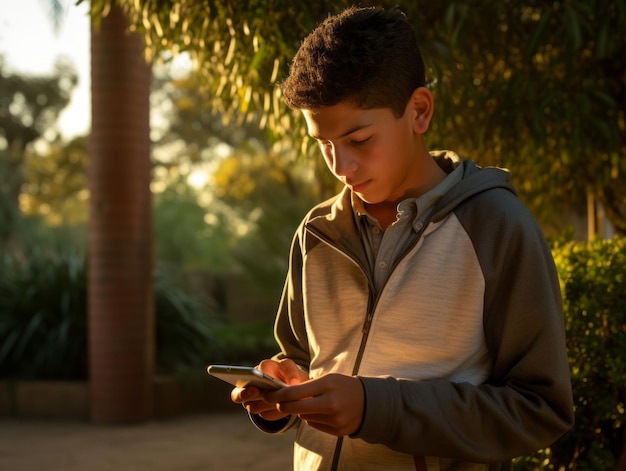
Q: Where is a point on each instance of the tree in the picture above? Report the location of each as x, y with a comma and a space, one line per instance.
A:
55, 182
121, 312
31, 105
191, 135
9, 211
266, 196
203, 237
535, 86
29, 109
539, 88
187, 129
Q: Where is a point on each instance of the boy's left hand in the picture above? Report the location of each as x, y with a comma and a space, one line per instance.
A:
332, 403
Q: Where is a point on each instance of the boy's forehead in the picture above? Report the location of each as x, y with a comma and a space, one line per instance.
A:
332, 122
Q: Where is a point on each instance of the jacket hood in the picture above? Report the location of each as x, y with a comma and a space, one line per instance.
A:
475, 180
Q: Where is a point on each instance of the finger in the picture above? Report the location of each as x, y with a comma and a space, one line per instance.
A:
285, 370
235, 395
240, 395
270, 367
291, 372
309, 405
259, 407
296, 392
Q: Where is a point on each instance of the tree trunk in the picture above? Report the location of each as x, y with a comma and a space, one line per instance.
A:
121, 319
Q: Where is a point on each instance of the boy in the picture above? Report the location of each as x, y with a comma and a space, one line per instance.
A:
420, 325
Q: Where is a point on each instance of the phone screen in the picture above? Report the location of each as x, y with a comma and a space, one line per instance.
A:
243, 376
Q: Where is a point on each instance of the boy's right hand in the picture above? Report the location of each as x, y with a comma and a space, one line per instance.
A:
253, 398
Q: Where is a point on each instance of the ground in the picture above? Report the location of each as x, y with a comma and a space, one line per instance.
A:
205, 442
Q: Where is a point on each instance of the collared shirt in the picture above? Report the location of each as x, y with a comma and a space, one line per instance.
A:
384, 247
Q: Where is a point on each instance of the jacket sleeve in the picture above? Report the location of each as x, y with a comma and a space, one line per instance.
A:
289, 331
527, 402
289, 328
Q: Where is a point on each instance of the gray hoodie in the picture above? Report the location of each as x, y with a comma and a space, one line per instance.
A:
462, 352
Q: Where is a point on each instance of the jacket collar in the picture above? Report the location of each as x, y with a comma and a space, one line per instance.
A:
334, 221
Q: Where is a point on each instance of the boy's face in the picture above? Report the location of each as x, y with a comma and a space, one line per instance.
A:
376, 154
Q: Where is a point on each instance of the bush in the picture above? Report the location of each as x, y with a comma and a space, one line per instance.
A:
245, 343
43, 320
43, 303
593, 282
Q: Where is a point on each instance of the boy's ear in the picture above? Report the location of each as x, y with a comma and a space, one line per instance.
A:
422, 106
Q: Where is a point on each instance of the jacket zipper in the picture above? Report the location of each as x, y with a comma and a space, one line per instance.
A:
365, 329
369, 317
373, 302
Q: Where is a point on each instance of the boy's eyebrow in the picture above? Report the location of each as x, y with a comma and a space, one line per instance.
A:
347, 133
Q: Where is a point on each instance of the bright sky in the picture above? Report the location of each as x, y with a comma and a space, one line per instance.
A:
30, 45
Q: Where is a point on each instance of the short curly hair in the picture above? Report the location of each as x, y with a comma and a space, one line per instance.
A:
367, 55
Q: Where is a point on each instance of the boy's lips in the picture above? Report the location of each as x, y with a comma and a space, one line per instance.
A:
359, 187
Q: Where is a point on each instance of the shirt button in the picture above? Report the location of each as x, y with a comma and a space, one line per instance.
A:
376, 230
419, 225
382, 265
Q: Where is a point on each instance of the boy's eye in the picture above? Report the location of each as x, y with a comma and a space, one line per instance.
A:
360, 142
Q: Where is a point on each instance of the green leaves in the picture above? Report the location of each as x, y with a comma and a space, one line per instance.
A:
43, 317
592, 281
43, 320
184, 327
545, 79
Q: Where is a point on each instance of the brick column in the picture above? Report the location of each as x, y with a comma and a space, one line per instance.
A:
120, 335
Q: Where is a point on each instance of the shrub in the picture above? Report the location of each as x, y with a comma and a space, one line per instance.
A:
43, 301
593, 283
43, 320
245, 343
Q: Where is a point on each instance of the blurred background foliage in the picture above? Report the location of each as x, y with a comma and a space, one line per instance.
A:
538, 87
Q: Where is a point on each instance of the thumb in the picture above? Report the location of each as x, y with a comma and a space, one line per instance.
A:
285, 370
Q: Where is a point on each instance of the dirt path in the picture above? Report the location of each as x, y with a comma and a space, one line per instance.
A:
217, 441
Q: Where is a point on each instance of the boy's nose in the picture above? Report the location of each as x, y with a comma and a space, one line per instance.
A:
344, 163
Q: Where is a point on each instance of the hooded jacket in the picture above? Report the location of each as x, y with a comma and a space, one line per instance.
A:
462, 352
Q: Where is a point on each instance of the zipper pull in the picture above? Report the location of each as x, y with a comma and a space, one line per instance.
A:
367, 323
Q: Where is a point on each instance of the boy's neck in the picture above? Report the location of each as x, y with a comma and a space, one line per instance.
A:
386, 211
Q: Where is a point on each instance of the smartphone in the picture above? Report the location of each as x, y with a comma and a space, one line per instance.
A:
243, 376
